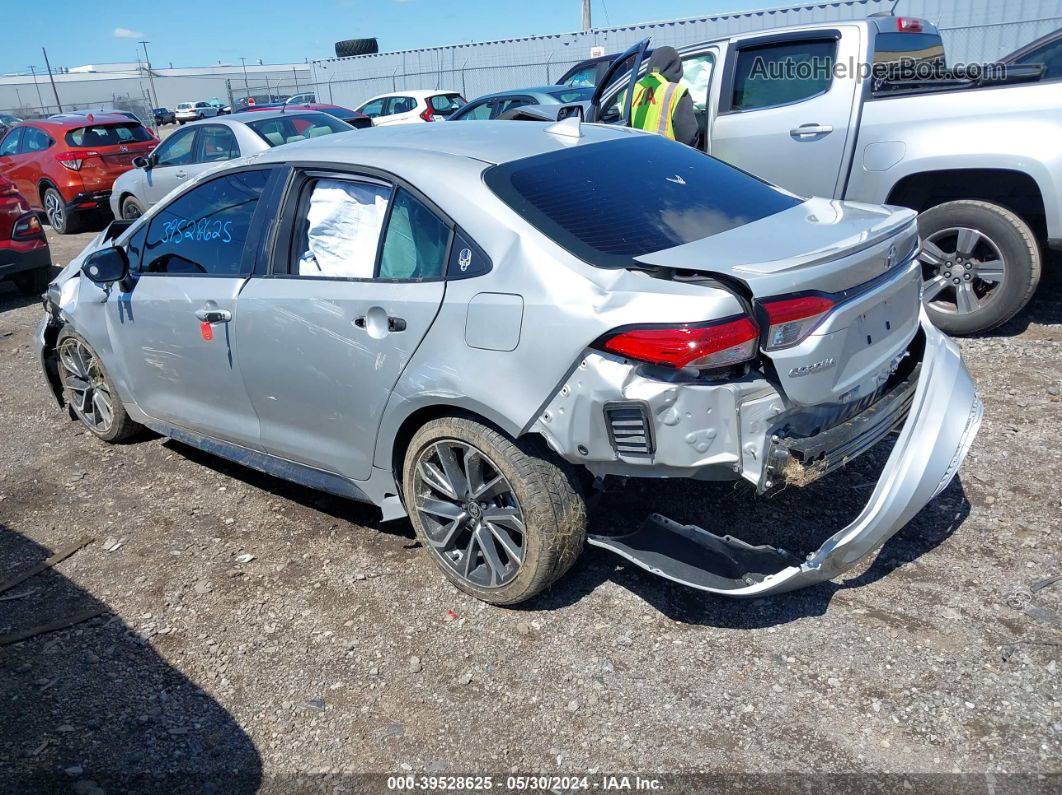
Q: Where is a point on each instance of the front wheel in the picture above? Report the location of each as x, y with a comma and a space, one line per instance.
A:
131, 208
980, 265
89, 391
503, 519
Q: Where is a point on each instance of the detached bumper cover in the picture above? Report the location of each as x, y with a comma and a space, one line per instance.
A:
945, 414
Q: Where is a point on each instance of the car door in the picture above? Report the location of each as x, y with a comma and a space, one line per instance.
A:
785, 111
174, 331
356, 282
401, 110
170, 164
10, 162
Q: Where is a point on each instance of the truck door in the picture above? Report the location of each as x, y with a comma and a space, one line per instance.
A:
786, 105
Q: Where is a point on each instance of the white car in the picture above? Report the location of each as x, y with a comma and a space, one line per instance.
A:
411, 107
193, 111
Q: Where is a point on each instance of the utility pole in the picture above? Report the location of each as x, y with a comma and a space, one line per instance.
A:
37, 86
586, 15
54, 89
151, 75
296, 74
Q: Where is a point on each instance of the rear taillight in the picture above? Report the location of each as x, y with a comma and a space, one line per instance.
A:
74, 160
701, 345
27, 227
427, 115
791, 320
908, 25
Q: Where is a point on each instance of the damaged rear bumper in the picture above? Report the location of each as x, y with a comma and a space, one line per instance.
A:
941, 423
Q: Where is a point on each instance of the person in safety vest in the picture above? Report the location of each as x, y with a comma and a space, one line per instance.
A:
661, 103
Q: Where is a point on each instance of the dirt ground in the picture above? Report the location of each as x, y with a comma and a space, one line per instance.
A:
339, 648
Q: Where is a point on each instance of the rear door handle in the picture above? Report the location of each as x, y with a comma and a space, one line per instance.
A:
213, 315
394, 324
180, 174
811, 129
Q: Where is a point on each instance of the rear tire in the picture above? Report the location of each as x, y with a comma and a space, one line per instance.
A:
970, 292
89, 391
60, 219
507, 524
33, 282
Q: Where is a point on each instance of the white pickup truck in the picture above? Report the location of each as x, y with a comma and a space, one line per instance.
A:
981, 161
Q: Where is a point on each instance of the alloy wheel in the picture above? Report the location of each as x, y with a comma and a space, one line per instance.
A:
131, 211
82, 375
470, 514
53, 208
962, 270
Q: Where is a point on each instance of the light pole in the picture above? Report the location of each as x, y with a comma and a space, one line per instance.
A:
246, 88
586, 15
37, 86
151, 75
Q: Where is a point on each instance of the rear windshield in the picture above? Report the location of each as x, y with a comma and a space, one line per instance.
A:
890, 48
107, 134
572, 94
292, 127
445, 104
609, 202
184, 106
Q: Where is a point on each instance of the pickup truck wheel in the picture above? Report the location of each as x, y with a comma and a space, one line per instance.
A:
503, 519
980, 265
89, 391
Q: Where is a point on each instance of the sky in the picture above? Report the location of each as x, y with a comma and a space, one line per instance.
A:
202, 32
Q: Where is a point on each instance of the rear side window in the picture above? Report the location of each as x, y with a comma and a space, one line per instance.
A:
609, 202
203, 232
34, 140
416, 242
1050, 55
338, 233
780, 74
216, 143
107, 134
478, 112
400, 105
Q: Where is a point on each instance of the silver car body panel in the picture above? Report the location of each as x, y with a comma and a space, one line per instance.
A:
513, 345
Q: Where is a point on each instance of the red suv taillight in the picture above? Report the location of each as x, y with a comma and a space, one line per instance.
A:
908, 25
27, 227
791, 320
701, 345
73, 160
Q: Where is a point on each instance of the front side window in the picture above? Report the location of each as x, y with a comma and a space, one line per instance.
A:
584, 77
372, 109
216, 143
572, 95
203, 231
1050, 55
177, 150
34, 140
478, 112
10, 144
339, 231
780, 74
610, 202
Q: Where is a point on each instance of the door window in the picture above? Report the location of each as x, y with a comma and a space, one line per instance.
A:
338, 233
1050, 55
176, 150
416, 242
509, 103
373, 109
216, 143
10, 144
203, 231
781, 74
478, 112
34, 140
400, 105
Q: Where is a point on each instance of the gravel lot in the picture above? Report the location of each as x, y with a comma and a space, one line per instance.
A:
339, 648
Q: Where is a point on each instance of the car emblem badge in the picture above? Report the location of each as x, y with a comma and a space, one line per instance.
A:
123, 148
890, 259
464, 259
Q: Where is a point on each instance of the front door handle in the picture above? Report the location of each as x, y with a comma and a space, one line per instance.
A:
393, 323
180, 174
206, 315
811, 129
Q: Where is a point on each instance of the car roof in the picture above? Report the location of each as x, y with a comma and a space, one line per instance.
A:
483, 141
418, 93
549, 90
69, 121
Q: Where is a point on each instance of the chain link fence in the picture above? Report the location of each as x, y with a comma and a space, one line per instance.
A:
139, 106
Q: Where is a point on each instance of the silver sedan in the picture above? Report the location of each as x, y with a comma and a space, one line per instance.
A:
202, 145
473, 324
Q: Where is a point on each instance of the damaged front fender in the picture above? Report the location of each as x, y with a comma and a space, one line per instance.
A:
944, 417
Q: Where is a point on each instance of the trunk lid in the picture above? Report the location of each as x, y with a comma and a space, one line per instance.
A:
107, 150
861, 256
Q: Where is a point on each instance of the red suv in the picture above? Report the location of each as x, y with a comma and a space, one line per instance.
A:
66, 164
24, 255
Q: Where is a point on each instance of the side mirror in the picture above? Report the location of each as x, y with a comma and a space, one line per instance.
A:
141, 162
106, 266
